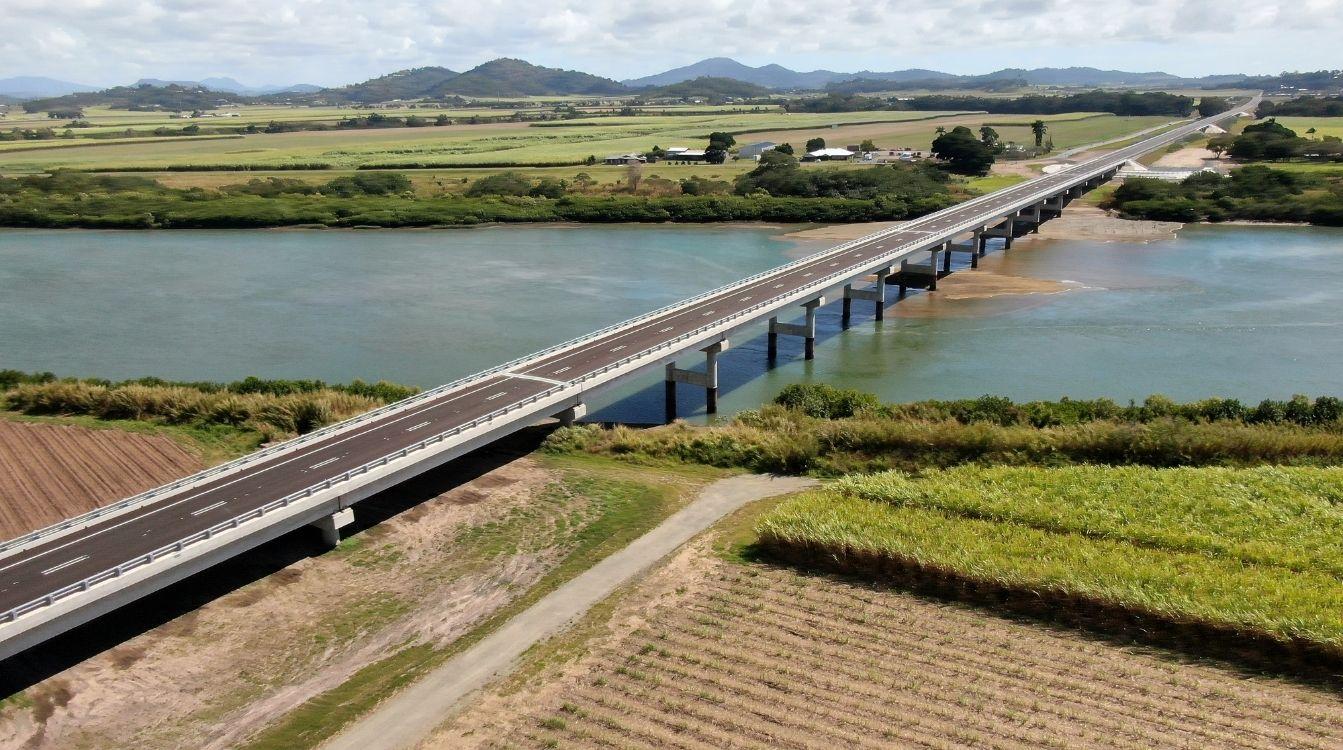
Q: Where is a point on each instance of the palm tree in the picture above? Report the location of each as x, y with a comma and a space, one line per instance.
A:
1039, 128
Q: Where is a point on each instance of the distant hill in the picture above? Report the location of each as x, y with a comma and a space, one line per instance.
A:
34, 87
510, 77
144, 97
770, 76
708, 87
231, 86
414, 83
1081, 76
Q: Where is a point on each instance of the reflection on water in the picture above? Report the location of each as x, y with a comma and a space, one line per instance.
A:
1233, 311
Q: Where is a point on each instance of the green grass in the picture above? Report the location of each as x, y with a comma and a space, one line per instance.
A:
986, 185
625, 504
1252, 552
1323, 126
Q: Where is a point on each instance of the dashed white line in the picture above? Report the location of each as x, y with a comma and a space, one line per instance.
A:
618, 348
497, 395
330, 460
566, 368
418, 426
660, 330
65, 564
209, 508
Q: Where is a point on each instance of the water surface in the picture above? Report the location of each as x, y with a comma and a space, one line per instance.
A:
1246, 312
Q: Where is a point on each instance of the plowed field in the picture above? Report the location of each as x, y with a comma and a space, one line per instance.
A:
51, 472
750, 656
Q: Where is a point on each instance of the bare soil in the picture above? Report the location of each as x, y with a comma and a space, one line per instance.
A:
52, 472
447, 555
713, 654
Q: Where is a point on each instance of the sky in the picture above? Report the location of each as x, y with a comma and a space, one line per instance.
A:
332, 42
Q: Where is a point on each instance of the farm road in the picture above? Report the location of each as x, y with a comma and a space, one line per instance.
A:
413, 713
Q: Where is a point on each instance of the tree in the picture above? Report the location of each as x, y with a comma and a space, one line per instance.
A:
634, 174
715, 155
940, 130
963, 153
1038, 129
783, 148
988, 136
1220, 144
867, 145
1211, 105
721, 141
815, 144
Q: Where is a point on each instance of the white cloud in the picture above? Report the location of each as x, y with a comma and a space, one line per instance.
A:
338, 41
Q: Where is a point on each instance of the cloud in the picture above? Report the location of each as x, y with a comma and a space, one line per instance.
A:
339, 41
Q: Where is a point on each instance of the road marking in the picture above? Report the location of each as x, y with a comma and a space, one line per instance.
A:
618, 348
209, 508
707, 313
660, 330
566, 368
329, 460
418, 426
537, 378
65, 564
497, 395
743, 299
808, 273
778, 286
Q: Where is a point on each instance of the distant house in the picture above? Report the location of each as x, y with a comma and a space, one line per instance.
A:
686, 154
886, 155
675, 151
828, 154
623, 159
754, 150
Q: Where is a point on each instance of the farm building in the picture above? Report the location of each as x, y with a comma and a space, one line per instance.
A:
828, 154
625, 159
754, 150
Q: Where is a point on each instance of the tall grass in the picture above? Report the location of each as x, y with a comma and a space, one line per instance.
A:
290, 412
1249, 552
777, 439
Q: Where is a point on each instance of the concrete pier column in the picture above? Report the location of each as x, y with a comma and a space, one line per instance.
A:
331, 525
806, 330
877, 294
904, 276
708, 380
946, 257
847, 306
772, 348
572, 414
977, 248
932, 268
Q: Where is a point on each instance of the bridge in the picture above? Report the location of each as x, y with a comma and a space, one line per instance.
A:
59, 577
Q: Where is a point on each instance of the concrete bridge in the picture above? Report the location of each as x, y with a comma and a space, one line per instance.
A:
62, 576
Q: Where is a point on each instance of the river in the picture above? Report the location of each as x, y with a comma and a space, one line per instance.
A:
1245, 312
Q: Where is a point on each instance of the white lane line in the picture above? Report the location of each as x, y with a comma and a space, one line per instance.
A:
413, 428
497, 395
324, 463
618, 348
566, 368
209, 508
65, 564
537, 378
660, 330
744, 299
707, 313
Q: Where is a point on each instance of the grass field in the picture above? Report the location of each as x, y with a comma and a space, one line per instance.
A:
533, 143
1248, 553
1323, 126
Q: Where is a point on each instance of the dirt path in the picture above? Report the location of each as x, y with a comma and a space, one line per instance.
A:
411, 715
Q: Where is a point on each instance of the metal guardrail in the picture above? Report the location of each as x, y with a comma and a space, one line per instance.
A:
821, 284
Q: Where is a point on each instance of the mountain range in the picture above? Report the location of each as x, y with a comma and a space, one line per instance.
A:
231, 86
779, 77
36, 87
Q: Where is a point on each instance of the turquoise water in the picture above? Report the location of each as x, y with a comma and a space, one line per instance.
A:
1246, 312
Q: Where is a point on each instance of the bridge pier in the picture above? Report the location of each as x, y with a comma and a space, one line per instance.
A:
1004, 230
331, 525
877, 294
572, 414
806, 330
707, 380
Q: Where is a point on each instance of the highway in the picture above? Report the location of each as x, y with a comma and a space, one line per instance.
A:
35, 570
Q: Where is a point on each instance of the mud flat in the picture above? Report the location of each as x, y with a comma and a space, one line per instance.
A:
52, 472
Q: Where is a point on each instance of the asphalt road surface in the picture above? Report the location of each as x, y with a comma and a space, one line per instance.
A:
66, 559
